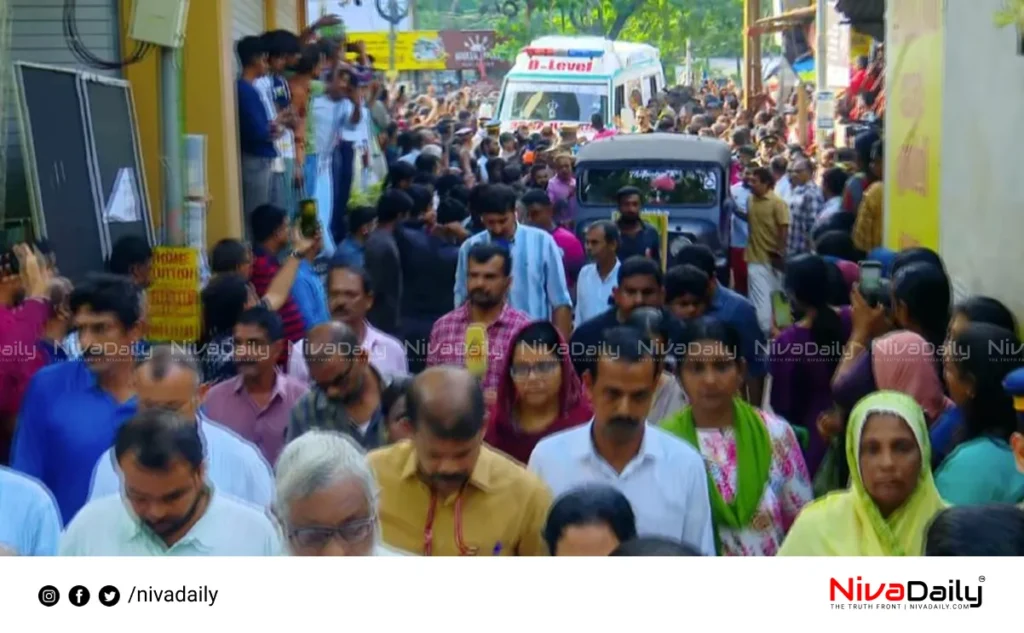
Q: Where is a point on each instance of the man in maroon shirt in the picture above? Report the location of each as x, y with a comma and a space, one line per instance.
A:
24, 310
269, 226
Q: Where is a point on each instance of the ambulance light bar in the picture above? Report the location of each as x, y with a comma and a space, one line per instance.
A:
553, 52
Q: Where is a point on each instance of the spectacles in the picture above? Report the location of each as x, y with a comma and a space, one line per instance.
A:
317, 537
543, 368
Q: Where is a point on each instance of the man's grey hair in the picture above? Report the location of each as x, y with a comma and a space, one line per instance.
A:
163, 358
317, 460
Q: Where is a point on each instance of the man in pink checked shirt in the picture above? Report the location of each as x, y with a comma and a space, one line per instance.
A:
24, 310
488, 279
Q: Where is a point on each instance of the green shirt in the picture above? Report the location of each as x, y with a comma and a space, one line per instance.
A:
316, 89
982, 470
107, 527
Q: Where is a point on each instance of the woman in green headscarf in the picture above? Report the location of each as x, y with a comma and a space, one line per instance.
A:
757, 478
892, 497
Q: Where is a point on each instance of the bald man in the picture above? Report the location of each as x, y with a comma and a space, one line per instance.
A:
347, 388
444, 492
170, 379
805, 204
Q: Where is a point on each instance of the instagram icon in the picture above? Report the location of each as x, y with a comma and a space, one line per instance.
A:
49, 596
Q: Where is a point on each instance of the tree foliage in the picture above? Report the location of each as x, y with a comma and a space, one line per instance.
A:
714, 26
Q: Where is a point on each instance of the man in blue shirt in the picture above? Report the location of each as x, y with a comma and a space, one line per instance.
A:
72, 411
539, 287
737, 311
256, 132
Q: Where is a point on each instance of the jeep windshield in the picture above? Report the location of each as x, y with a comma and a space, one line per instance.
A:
696, 186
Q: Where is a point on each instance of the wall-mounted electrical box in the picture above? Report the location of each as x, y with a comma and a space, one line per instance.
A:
160, 22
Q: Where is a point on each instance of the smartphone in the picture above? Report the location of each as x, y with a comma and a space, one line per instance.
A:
309, 219
781, 312
870, 278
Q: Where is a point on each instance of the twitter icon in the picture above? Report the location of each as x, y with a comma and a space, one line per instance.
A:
109, 596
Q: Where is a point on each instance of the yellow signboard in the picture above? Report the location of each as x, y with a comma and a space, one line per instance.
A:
175, 312
913, 127
659, 220
414, 50
860, 46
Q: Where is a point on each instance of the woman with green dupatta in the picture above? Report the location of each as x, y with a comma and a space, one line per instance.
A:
757, 478
892, 497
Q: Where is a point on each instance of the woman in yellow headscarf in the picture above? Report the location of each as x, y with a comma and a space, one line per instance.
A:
892, 496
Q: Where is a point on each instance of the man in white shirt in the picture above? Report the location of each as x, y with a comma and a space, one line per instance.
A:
349, 298
662, 476
780, 171
234, 466
597, 281
168, 508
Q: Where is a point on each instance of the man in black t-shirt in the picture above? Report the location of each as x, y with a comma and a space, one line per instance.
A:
636, 236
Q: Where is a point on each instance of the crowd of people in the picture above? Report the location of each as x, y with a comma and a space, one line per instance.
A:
469, 377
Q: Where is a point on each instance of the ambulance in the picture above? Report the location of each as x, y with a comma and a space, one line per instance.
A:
559, 80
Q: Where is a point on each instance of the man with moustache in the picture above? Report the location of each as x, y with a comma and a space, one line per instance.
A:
663, 477
636, 237
169, 379
488, 280
168, 508
349, 298
444, 492
347, 388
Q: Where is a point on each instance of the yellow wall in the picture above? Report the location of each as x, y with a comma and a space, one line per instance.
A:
210, 107
270, 14
913, 125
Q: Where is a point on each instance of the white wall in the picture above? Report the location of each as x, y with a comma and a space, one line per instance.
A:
359, 19
982, 204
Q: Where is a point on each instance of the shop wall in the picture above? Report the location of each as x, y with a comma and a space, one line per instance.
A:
982, 188
38, 36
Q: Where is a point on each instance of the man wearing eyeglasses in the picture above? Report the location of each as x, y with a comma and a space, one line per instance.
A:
169, 379
347, 388
445, 493
327, 498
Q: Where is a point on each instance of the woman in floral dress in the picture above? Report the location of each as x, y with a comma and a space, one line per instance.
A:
757, 478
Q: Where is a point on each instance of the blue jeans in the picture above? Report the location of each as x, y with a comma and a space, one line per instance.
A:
309, 175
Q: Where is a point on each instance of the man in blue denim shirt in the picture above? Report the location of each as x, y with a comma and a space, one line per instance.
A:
737, 311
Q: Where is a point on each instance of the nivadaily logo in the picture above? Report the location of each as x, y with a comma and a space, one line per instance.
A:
910, 594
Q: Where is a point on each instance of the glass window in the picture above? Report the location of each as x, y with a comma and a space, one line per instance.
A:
542, 101
691, 186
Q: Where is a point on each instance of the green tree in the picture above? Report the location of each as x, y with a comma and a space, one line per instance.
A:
714, 26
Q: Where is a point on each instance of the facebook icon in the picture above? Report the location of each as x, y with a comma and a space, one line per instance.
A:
79, 596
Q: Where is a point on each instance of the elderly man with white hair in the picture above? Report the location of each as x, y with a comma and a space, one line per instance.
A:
327, 498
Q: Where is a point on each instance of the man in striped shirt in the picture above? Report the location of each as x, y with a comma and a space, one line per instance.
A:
270, 238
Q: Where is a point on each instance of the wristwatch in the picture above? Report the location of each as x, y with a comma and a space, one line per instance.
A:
297, 255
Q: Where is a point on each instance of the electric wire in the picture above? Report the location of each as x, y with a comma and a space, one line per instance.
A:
87, 57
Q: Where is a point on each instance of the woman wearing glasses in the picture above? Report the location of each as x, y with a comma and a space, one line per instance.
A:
539, 393
327, 498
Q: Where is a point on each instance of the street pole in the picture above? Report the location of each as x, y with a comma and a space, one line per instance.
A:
171, 139
821, 45
393, 13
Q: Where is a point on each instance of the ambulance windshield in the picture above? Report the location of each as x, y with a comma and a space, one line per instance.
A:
547, 101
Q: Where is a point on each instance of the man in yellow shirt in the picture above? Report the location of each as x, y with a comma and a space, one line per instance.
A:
867, 228
768, 217
444, 493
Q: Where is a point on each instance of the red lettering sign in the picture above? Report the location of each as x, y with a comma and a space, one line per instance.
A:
554, 65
